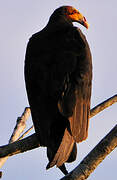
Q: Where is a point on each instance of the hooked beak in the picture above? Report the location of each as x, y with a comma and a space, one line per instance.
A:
78, 17
84, 22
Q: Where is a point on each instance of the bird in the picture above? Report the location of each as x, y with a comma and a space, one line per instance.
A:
58, 78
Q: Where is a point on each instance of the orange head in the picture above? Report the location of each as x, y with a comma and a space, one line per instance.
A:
69, 14
75, 16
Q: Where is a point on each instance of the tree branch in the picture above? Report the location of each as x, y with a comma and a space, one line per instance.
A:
26, 144
32, 142
6, 150
19, 128
100, 107
20, 125
95, 157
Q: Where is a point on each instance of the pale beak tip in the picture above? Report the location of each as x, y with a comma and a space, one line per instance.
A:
86, 24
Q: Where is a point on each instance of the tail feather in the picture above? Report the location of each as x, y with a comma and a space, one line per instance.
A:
63, 151
73, 154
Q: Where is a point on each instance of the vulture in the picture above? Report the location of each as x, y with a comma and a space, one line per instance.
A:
58, 77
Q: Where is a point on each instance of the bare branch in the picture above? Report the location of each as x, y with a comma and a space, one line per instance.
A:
19, 128
17, 147
94, 111
32, 142
20, 125
35, 144
95, 157
100, 107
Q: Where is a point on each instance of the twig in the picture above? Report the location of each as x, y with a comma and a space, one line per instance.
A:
95, 157
23, 135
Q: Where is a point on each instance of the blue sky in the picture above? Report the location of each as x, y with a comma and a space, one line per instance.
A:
18, 21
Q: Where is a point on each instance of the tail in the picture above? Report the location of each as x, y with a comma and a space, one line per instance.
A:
66, 151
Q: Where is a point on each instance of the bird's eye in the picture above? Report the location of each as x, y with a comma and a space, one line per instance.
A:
70, 13
73, 12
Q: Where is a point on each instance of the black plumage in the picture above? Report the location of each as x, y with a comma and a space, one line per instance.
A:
58, 75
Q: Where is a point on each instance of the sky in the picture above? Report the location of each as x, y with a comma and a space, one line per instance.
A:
18, 21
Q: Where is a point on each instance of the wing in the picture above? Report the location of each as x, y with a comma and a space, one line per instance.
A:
79, 120
75, 99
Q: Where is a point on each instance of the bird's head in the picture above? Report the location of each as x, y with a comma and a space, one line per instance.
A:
70, 14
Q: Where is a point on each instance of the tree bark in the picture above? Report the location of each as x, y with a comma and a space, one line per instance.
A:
21, 146
95, 157
100, 107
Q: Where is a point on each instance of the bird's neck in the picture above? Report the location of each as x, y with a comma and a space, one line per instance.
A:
59, 23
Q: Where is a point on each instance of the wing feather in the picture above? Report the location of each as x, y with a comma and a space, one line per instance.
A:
75, 101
